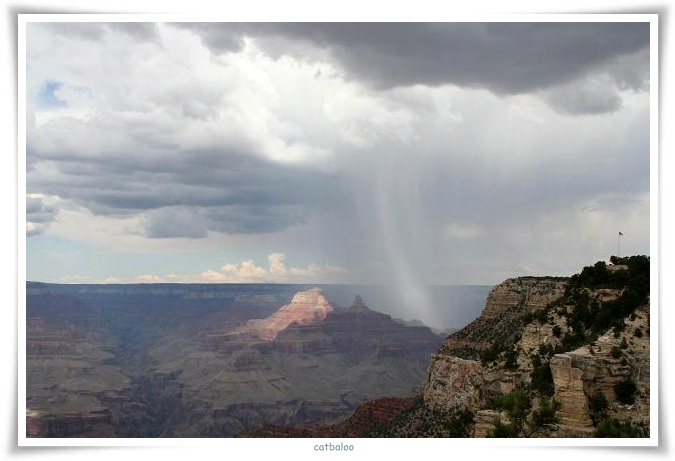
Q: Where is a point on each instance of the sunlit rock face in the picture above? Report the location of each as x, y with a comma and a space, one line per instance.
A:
306, 308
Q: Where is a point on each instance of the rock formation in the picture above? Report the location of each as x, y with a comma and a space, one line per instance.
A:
307, 307
598, 368
310, 361
582, 342
505, 307
455, 384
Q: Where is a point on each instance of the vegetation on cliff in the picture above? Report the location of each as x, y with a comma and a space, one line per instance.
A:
600, 317
522, 421
420, 421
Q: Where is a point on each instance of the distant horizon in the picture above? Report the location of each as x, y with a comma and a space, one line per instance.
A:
270, 283
263, 282
446, 306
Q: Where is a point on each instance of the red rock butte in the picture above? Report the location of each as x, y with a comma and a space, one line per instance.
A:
306, 308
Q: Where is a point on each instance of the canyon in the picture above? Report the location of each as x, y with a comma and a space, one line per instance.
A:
207, 361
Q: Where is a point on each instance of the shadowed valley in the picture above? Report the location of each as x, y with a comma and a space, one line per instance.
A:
207, 360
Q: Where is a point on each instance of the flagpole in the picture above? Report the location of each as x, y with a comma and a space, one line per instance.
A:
618, 245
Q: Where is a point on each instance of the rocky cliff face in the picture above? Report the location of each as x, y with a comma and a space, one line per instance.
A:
454, 384
581, 342
597, 369
505, 308
456, 378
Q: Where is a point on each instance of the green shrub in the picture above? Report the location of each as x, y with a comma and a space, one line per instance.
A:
503, 430
489, 355
598, 405
613, 428
546, 415
517, 405
616, 352
625, 391
592, 318
541, 376
511, 362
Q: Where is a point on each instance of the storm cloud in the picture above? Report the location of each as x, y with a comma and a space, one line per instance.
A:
403, 153
506, 58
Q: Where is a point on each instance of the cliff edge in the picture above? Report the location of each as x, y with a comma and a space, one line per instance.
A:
553, 357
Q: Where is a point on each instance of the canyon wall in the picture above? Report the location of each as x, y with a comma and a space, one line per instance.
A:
532, 328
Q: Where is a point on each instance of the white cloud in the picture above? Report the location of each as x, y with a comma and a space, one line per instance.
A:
246, 271
276, 271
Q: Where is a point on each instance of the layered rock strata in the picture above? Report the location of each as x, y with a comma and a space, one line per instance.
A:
505, 306
310, 361
465, 374
456, 379
307, 307
600, 367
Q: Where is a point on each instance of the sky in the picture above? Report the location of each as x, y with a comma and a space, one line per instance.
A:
403, 154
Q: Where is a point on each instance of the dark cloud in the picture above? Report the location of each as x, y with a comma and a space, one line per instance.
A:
258, 218
138, 30
38, 211
219, 37
596, 98
175, 222
97, 31
39, 215
506, 58
197, 221
188, 194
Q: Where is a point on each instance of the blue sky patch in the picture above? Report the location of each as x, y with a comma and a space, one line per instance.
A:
47, 98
